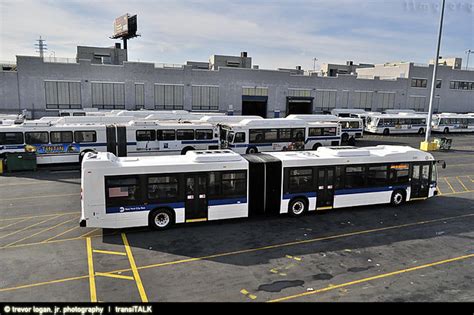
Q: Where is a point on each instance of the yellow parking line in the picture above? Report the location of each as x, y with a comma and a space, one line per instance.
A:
462, 184
113, 275
450, 186
90, 263
39, 216
385, 275
29, 226
135, 272
41, 196
19, 221
250, 250
60, 234
108, 252
248, 294
37, 233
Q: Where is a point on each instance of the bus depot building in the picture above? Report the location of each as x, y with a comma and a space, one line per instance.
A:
230, 84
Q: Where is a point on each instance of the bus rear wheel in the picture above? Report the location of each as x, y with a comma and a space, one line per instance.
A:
297, 207
386, 132
316, 146
185, 150
398, 198
161, 219
446, 130
421, 131
344, 137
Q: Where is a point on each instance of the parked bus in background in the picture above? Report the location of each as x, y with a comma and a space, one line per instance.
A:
278, 134
347, 112
214, 185
396, 123
351, 127
450, 122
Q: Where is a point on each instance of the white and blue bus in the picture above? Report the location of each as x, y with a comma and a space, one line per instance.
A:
278, 134
221, 184
450, 122
351, 127
387, 124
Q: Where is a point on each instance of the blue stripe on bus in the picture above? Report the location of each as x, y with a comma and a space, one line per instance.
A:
306, 194
221, 202
366, 190
199, 141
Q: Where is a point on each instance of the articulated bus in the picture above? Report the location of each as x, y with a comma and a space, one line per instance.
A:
351, 127
221, 184
396, 123
278, 134
449, 122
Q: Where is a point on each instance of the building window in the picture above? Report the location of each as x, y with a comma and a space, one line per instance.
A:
255, 91
419, 83
139, 96
461, 85
417, 102
108, 95
63, 95
169, 96
325, 100
363, 100
299, 92
438, 84
205, 97
386, 100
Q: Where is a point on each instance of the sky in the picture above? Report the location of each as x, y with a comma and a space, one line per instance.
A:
276, 34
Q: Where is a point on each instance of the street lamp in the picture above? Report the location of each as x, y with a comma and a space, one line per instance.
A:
468, 52
425, 145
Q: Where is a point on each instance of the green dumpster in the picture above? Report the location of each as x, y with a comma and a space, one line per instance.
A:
444, 143
20, 161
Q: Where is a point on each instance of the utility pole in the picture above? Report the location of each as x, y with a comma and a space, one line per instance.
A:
41, 47
468, 52
433, 81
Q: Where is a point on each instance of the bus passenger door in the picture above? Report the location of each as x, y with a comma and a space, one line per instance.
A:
420, 180
325, 188
196, 198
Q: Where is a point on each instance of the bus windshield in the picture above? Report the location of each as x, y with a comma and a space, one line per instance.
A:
230, 136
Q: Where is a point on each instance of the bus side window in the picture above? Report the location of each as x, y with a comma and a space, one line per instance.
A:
85, 136
185, 134
61, 137
163, 187
399, 173
297, 134
313, 132
234, 184
256, 135
355, 177
145, 135
39, 137
239, 137
122, 189
11, 138
165, 135
204, 134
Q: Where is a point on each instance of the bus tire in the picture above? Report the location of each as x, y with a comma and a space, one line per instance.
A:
161, 219
316, 146
386, 132
251, 150
446, 130
421, 131
352, 141
297, 207
344, 137
398, 198
186, 150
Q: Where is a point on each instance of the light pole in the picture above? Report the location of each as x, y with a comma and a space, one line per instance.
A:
468, 52
433, 81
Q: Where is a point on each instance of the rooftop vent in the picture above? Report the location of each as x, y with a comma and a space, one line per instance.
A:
214, 156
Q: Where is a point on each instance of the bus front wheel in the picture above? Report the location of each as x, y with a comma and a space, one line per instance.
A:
421, 131
161, 219
446, 130
316, 146
297, 207
386, 132
252, 150
344, 137
351, 141
398, 198
185, 150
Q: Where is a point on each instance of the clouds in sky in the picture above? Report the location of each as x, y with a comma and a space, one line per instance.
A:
275, 33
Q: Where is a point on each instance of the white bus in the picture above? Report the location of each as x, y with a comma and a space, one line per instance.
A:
351, 127
67, 143
278, 134
215, 185
347, 112
396, 123
449, 122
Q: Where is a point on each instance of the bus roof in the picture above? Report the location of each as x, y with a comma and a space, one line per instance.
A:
222, 119
270, 123
348, 155
400, 115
